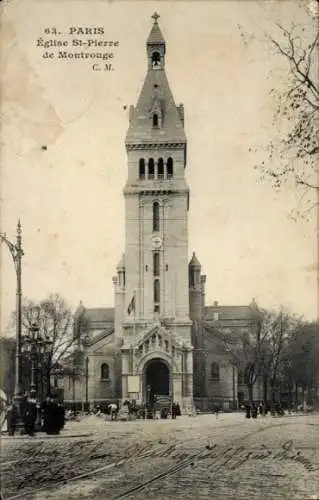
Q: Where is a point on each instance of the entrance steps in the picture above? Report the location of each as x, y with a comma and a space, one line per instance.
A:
162, 401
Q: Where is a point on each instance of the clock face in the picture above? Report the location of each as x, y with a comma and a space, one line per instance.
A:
157, 242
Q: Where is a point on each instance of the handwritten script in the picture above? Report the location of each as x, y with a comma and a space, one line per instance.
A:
237, 456
233, 457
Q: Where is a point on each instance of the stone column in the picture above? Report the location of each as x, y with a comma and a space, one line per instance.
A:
124, 387
177, 388
125, 370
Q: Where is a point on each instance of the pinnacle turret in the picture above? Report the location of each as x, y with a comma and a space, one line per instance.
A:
155, 36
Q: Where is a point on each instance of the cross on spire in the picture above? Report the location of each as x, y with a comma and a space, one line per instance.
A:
155, 16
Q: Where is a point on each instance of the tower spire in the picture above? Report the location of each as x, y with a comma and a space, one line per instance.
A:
155, 46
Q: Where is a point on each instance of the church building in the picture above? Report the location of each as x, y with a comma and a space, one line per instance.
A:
160, 339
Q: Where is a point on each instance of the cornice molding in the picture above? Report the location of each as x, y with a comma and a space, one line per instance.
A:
164, 145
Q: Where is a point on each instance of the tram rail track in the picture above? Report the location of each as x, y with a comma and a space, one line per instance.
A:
199, 456
142, 454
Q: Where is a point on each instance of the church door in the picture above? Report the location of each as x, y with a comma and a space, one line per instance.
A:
157, 379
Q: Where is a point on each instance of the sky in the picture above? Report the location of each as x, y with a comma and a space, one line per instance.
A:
63, 159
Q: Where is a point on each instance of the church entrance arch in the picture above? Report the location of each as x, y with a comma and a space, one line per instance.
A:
156, 379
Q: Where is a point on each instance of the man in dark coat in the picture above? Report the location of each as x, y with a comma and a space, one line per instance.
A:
59, 413
12, 419
46, 412
254, 411
29, 414
53, 415
248, 410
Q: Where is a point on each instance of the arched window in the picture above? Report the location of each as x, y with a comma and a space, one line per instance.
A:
155, 120
214, 371
151, 168
160, 169
142, 168
156, 60
156, 264
156, 295
105, 371
191, 278
170, 171
156, 219
121, 278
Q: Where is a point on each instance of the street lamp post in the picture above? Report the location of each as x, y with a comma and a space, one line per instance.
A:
17, 253
31, 345
35, 344
87, 383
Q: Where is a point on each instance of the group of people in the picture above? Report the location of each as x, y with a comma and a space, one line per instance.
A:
252, 410
129, 408
28, 410
50, 415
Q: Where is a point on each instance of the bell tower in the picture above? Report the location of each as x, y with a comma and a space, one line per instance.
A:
156, 292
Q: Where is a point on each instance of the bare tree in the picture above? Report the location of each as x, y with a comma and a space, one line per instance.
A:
7, 365
301, 366
57, 325
278, 328
293, 155
260, 351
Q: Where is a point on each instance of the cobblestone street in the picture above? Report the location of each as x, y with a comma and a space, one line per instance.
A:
200, 457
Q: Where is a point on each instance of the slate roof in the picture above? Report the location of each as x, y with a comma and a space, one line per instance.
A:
140, 129
155, 35
194, 261
228, 312
100, 314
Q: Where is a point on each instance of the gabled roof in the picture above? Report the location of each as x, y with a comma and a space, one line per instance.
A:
104, 334
166, 334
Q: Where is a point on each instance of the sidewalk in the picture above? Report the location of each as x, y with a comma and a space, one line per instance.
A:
65, 433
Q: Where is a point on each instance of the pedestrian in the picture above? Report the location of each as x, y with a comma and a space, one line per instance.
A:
46, 414
12, 419
61, 415
174, 411
56, 415
216, 410
29, 414
113, 411
254, 411
248, 410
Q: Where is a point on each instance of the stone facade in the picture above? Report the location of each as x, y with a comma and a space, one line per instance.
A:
160, 338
